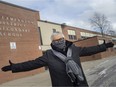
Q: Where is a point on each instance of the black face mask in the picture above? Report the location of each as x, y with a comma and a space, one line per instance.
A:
59, 43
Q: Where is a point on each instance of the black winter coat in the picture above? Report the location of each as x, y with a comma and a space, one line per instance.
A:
57, 67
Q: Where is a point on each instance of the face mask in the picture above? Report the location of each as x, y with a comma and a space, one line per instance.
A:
59, 43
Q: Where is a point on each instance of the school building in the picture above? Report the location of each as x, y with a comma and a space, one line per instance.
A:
24, 36
19, 38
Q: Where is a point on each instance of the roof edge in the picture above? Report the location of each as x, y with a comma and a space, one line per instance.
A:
49, 22
4, 2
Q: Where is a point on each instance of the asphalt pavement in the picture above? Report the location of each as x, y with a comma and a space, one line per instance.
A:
99, 73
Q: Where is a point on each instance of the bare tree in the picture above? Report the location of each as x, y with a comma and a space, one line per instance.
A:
100, 23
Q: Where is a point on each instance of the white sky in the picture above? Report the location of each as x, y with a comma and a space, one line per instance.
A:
72, 12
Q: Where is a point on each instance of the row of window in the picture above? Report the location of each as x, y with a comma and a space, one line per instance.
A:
71, 34
84, 34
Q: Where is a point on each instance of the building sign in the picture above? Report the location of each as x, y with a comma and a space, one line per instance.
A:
39, 47
12, 45
11, 26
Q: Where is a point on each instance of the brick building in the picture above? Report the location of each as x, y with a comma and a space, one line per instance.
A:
92, 41
23, 34
19, 38
74, 33
83, 37
86, 38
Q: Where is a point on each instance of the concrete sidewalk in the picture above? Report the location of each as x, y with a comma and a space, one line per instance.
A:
43, 79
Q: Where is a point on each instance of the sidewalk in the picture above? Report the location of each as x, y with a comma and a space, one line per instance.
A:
38, 80
43, 79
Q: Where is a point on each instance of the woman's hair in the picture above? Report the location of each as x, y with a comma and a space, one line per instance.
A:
56, 33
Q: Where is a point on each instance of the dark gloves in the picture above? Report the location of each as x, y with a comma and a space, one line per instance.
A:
8, 67
109, 44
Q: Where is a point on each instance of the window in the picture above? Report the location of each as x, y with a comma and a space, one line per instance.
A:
54, 30
86, 35
83, 34
114, 39
72, 35
83, 37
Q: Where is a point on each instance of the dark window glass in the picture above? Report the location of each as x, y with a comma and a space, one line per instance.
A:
54, 30
83, 37
72, 37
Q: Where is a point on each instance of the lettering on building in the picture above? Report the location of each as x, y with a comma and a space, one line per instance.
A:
11, 26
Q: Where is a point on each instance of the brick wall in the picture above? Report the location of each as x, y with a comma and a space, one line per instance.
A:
65, 32
92, 42
18, 25
87, 43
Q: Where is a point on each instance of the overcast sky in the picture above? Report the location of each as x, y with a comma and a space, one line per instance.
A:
72, 12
